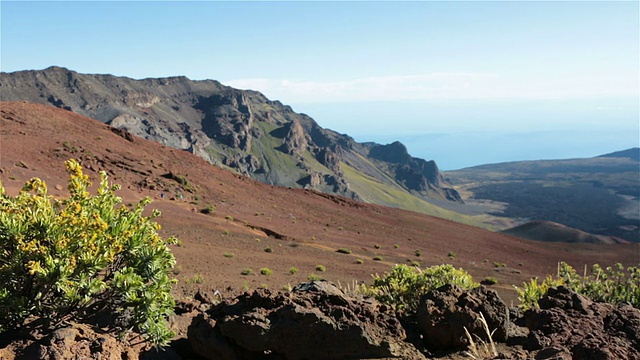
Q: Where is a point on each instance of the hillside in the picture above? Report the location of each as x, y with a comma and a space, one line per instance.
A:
554, 232
597, 195
243, 131
302, 228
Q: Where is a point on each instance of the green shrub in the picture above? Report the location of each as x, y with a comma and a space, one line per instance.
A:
320, 268
208, 210
378, 258
266, 271
69, 259
451, 255
293, 270
396, 246
490, 280
344, 251
229, 255
268, 249
246, 271
418, 253
612, 285
314, 277
359, 261
403, 287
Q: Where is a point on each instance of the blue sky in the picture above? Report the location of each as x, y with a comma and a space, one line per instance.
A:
463, 83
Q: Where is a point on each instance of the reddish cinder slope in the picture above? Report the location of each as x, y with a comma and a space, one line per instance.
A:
302, 228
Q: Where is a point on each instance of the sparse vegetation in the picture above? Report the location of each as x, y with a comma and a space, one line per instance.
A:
396, 246
314, 277
196, 279
268, 249
210, 209
377, 246
451, 255
293, 270
229, 218
229, 255
359, 261
418, 253
403, 287
246, 271
499, 264
612, 284
344, 251
320, 268
266, 271
62, 259
378, 258
481, 349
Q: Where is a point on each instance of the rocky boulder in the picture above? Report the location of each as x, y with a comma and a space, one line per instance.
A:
314, 321
444, 313
568, 325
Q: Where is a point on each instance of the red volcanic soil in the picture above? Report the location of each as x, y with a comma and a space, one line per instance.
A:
302, 228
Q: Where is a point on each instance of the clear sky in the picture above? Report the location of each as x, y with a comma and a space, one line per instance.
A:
463, 83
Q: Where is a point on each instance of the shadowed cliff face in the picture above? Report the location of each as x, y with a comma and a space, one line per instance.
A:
237, 129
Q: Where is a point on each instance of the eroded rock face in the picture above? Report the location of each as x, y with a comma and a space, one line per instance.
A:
571, 326
445, 312
315, 321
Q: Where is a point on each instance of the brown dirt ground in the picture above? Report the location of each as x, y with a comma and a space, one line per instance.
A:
303, 228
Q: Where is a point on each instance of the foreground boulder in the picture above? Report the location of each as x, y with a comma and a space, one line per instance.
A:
444, 313
314, 321
568, 325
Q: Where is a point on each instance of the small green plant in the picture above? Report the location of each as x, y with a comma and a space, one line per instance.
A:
293, 270
229, 217
359, 261
229, 255
268, 249
499, 264
415, 263
196, 279
418, 253
320, 268
210, 209
344, 251
403, 287
396, 246
451, 255
378, 258
490, 280
266, 271
314, 277
612, 285
65, 259
246, 271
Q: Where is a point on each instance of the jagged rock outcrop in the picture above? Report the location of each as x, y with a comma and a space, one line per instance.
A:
444, 313
568, 325
315, 321
240, 129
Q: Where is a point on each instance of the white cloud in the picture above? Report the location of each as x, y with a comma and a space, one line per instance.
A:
437, 86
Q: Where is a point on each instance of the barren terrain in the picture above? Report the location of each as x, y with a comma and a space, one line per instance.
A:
255, 225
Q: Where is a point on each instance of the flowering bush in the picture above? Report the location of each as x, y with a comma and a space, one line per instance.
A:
81, 257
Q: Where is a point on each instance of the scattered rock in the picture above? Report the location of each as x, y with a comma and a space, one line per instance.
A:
444, 313
315, 321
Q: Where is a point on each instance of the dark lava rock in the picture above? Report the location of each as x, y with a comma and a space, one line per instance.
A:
581, 329
315, 321
444, 313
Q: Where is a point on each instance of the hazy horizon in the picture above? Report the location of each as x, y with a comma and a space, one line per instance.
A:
462, 83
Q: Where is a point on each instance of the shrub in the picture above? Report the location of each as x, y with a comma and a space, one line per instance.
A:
293, 270
314, 277
490, 280
403, 287
81, 256
229, 218
396, 246
418, 253
266, 271
451, 255
499, 264
247, 271
229, 255
320, 268
208, 210
268, 249
377, 258
344, 251
359, 261
612, 285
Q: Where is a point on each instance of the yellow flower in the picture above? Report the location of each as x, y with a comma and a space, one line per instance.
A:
34, 267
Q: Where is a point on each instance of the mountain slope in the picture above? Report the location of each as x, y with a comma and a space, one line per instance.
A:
554, 232
598, 195
236, 129
302, 228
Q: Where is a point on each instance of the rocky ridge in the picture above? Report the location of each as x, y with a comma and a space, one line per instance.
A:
237, 129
